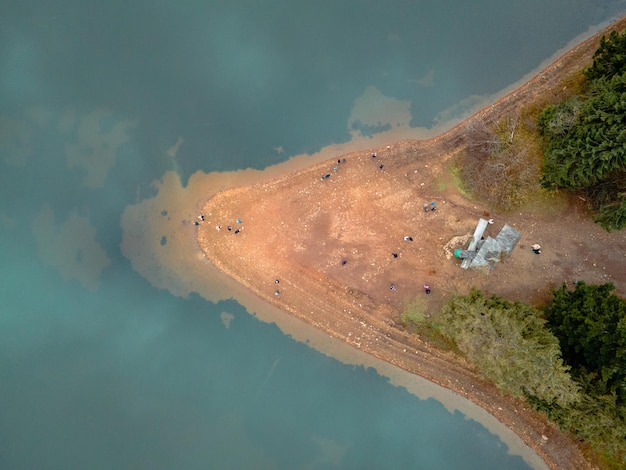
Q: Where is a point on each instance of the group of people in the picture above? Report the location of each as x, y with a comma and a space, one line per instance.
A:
381, 166
230, 228
335, 169
430, 207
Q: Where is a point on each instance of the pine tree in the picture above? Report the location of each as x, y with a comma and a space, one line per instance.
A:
590, 323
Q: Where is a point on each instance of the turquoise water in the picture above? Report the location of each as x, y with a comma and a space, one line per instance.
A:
98, 369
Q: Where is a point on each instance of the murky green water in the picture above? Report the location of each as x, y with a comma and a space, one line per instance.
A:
98, 369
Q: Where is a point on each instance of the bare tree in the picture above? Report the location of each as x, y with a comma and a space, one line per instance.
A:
496, 167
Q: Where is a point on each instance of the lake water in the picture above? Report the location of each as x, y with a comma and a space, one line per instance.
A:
99, 369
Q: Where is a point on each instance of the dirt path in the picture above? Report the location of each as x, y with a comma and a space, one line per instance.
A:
327, 243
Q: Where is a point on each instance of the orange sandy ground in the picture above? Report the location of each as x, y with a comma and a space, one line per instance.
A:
329, 243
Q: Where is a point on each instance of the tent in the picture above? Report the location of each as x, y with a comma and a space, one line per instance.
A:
490, 251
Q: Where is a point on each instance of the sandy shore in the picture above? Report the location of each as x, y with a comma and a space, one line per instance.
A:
327, 243
322, 249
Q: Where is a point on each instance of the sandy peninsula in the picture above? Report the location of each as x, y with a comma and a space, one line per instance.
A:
346, 245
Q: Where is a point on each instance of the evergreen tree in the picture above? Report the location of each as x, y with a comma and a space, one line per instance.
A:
590, 323
610, 58
585, 148
511, 345
585, 136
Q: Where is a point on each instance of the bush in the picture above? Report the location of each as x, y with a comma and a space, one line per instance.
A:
498, 166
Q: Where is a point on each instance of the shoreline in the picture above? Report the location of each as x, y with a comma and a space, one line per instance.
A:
388, 342
183, 270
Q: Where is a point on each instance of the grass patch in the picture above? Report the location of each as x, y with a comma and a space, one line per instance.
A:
419, 321
546, 202
415, 314
453, 172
